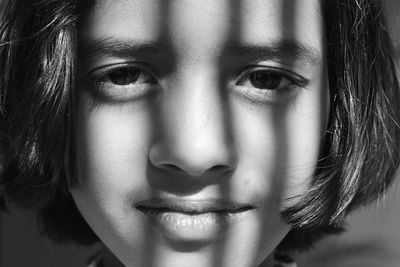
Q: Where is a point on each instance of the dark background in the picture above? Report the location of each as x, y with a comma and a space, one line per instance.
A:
372, 240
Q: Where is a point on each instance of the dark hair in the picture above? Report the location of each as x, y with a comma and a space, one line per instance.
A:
37, 62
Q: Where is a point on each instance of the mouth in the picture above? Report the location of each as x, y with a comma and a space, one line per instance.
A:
192, 207
191, 220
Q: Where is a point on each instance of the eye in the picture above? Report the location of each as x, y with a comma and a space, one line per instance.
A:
265, 79
123, 76
121, 82
266, 84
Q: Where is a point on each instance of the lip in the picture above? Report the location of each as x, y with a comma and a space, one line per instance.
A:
193, 220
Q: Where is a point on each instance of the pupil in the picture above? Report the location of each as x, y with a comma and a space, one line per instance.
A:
124, 76
265, 79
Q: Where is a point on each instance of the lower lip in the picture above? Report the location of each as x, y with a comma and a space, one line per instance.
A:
193, 227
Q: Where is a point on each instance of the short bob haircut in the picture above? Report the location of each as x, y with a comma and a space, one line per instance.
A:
38, 52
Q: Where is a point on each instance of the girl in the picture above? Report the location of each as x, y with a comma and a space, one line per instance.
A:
196, 133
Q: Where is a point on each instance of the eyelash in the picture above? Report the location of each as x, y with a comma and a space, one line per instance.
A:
138, 81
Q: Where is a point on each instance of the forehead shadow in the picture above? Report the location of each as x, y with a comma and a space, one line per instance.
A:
293, 50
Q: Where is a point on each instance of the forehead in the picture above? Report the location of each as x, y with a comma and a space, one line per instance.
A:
207, 24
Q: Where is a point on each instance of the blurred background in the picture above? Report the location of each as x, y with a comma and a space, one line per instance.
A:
372, 239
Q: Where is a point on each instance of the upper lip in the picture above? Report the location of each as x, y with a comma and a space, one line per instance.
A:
192, 206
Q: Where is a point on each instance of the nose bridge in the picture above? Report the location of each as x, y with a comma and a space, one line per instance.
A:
196, 99
195, 136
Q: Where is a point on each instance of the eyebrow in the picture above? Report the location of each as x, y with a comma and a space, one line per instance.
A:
288, 50
110, 47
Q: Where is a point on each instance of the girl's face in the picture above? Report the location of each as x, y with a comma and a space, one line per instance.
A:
197, 121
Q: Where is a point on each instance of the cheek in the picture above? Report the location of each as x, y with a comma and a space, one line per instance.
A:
112, 151
112, 155
280, 144
304, 137
112, 140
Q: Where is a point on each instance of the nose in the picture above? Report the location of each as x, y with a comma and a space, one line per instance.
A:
195, 137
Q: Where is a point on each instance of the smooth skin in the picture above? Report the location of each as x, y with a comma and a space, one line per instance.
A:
198, 100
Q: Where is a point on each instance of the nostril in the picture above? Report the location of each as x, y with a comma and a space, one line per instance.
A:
171, 167
219, 168
195, 172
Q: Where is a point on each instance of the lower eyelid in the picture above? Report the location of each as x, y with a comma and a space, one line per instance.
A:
110, 94
260, 96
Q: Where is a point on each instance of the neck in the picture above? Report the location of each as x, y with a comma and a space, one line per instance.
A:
109, 259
